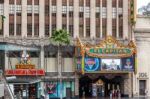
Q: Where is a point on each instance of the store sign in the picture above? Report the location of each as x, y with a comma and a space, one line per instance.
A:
25, 72
25, 66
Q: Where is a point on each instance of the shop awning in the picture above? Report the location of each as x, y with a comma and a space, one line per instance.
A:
16, 47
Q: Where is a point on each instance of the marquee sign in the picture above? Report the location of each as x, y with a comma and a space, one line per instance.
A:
109, 47
106, 51
25, 72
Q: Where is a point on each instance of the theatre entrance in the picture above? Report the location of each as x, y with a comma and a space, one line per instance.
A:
100, 85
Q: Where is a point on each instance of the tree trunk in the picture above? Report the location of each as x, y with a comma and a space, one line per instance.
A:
60, 70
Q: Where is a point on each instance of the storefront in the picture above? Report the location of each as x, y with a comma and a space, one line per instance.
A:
23, 68
109, 62
55, 89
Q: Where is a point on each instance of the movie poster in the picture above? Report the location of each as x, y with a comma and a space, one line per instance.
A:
110, 64
128, 64
92, 64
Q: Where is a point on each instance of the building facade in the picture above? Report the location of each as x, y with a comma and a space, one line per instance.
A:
28, 24
141, 31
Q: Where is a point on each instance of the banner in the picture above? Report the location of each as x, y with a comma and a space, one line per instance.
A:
25, 72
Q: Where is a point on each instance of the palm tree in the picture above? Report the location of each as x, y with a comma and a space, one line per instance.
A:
59, 38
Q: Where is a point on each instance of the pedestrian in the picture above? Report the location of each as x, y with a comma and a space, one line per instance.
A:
111, 94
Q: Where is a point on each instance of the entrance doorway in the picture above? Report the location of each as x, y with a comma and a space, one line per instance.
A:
102, 86
142, 87
85, 87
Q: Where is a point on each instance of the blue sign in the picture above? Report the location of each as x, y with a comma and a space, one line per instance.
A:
92, 64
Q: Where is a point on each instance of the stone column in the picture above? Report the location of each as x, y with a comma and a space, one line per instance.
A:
125, 19
76, 85
41, 18
6, 22
59, 14
24, 18
6, 60
42, 57
32, 18
128, 85
109, 17
76, 19
92, 19
15, 20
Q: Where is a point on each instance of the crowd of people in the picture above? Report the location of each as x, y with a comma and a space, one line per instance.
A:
115, 93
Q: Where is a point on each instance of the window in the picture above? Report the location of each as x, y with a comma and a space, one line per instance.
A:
104, 3
36, 2
120, 3
97, 15
81, 14
11, 1
1, 9
53, 14
18, 29
104, 12
104, 27
18, 24
64, 2
12, 9
114, 3
71, 30
64, 26
54, 2
81, 2
71, 2
29, 2
53, 27
114, 27
36, 29
11, 29
98, 27
36, 8
36, 24
70, 14
114, 13
64, 9
70, 8
81, 30
1, 1
29, 8
120, 26
29, 29
97, 3
98, 9
18, 8
87, 12
87, 31
47, 30
47, 9
53, 9
81, 9
87, 2
18, 2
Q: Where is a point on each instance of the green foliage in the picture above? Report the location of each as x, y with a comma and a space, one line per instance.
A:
145, 10
60, 37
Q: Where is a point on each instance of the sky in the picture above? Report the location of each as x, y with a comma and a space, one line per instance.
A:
141, 3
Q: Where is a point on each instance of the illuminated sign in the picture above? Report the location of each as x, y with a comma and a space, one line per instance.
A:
25, 72
25, 66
